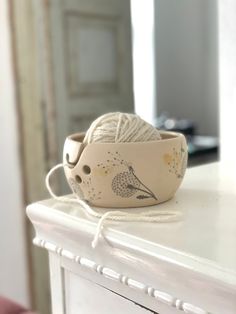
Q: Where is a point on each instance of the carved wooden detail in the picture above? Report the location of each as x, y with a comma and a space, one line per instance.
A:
109, 273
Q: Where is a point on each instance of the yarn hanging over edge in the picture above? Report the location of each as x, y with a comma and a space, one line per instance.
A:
118, 127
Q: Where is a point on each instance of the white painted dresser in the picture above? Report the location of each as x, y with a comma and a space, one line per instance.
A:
182, 267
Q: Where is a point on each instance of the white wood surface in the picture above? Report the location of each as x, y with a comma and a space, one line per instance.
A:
85, 297
57, 285
72, 293
180, 259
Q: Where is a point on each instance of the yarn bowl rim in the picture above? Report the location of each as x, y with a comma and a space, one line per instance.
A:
165, 136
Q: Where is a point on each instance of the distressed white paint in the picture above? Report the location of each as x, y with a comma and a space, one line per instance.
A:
156, 264
227, 77
91, 61
65, 287
13, 264
78, 298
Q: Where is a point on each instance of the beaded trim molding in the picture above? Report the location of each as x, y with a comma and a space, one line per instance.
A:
109, 273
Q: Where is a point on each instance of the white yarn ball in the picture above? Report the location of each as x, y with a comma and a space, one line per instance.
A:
117, 127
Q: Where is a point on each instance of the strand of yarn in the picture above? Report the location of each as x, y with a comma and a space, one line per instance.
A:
116, 215
117, 127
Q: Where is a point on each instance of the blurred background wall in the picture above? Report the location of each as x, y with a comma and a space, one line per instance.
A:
186, 35
13, 255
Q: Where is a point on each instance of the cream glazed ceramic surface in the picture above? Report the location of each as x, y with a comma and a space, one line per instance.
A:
125, 174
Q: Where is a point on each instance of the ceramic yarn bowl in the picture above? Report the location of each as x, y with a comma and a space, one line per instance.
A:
125, 174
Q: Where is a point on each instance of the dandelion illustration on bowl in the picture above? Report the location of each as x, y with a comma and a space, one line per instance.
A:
126, 183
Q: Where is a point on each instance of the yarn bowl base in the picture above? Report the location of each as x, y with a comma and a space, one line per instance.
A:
121, 175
